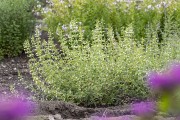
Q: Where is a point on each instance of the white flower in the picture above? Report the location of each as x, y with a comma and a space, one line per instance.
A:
164, 4
64, 27
154, 1
114, 3
49, 1
118, 0
175, 9
138, 7
126, 11
70, 26
150, 7
158, 6
80, 23
76, 28
37, 13
69, 5
39, 32
61, 1
38, 26
46, 9
39, 6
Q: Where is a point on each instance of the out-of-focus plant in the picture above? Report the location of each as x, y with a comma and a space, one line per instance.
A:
87, 12
117, 13
145, 110
166, 85
15, 108
16, 25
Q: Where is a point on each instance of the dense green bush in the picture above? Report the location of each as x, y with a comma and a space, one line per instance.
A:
107, 72
87, 12
16, 23
118, 14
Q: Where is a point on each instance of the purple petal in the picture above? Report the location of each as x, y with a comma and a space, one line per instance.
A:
175, 73
161, 81
15, 108
144, 108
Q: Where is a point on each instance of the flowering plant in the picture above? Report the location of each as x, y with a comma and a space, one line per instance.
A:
166, 84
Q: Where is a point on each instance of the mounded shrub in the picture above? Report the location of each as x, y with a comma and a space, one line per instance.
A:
16, 23
105, 72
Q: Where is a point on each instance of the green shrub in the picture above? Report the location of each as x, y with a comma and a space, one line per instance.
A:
16, 23
116, 13
107, 72
87, 12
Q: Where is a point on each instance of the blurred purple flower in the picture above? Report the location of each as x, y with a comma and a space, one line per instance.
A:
14, 109
144, 109
168, 80
175, 73
157, 81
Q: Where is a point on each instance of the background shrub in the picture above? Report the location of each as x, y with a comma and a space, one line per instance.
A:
107, 72
87, 12
118, 14
16, 23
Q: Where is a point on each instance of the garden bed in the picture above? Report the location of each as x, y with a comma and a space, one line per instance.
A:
9, 68
69, 110
46, 110
57, 110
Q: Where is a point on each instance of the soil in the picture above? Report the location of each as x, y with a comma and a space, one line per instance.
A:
9, 69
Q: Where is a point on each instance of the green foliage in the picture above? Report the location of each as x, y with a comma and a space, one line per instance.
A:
116, 13
87, 12
16, 23
105, 72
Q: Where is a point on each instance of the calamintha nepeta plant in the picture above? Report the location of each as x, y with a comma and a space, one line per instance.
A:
80, 72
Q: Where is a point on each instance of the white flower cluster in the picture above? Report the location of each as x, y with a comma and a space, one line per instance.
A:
46, 10
163, 4
50, 2
61, 1
73, 26
157, 6
118, 1
150, 7
38, 29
